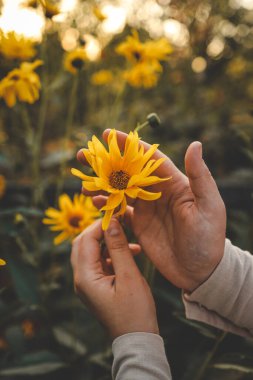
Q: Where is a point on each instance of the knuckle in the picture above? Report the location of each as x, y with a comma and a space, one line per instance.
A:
117, 245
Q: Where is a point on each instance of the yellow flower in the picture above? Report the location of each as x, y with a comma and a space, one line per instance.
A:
72, 217
2, 185
99, 14
74, 60
22, 83
2, 262
136, 51
142, 75
120, 175
102, 77
14, 46
49, 8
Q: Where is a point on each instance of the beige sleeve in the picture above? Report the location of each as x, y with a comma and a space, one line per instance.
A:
225, 299
140, 356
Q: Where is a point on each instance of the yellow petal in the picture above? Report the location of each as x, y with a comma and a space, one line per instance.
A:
60, 238
90, 186
114, 150
150, 152
2, 262
151, 180
113, 201
151, 166
106, 219
122, 208
148, 196
81, 175
65, 202
52, 213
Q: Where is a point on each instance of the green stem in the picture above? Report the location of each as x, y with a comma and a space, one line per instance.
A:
140, 126
148, 271
115, 109
69, 125
200, 374
29, 133
40, 129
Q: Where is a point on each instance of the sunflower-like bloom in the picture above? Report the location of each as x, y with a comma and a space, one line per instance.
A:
144, 74
2, 185
22, 83
136, 51
99, 14
72, 217
50, 9
144, 58
120, 175
74, 60
16, 46
102, 77
2, 262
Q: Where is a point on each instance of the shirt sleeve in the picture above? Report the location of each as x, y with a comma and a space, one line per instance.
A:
225, 299
140, 356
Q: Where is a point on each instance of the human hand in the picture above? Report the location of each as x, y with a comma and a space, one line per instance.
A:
183, 232
117, 294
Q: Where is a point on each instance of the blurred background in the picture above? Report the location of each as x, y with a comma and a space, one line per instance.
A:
68, 70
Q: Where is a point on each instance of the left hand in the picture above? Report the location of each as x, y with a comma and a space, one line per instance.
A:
120, 299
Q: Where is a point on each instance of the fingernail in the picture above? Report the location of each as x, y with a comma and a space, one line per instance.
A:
113, 229
200, 148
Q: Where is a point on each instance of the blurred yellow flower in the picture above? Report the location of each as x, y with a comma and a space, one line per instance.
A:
30, 3
142, 75
2, 262
50, 9
74, 60
22, 83
136, 51
144, 58
120, 175
2, 185
99, 14
16, 46
72, 217
102, 77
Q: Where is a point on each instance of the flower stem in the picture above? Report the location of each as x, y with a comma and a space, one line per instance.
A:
148, 271
68, 128
200, 374
40, 129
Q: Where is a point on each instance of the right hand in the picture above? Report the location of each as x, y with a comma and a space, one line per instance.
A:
183, 232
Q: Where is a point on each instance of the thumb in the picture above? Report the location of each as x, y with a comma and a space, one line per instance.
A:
201, 181
117, 245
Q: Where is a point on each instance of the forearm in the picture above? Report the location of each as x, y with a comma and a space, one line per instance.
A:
140, 356
225, 300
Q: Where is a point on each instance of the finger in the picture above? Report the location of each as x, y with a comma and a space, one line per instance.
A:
201, 181
134, 248
86, 254
117, 245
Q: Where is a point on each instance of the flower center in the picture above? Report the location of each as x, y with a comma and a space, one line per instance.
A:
137, 55
74, 221
77, 63
119, 179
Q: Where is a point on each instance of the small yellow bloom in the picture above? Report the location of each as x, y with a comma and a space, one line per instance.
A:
74, 60
2, 262
142, 75
50, 9
15, 46
120, 175
22, 83
72, 217
136, 51
2, 185
99, 14
102, 77
28, 328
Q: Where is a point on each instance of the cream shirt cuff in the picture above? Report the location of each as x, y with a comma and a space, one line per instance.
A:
140, 356
225, 299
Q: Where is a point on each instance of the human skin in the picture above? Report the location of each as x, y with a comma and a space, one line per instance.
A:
115, 291
183, 232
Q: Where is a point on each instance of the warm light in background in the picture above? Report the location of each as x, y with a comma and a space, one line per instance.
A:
176, 32
199, 64
115, 19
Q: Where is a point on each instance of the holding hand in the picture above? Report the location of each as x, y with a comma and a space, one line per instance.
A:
118, 295
183, 232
